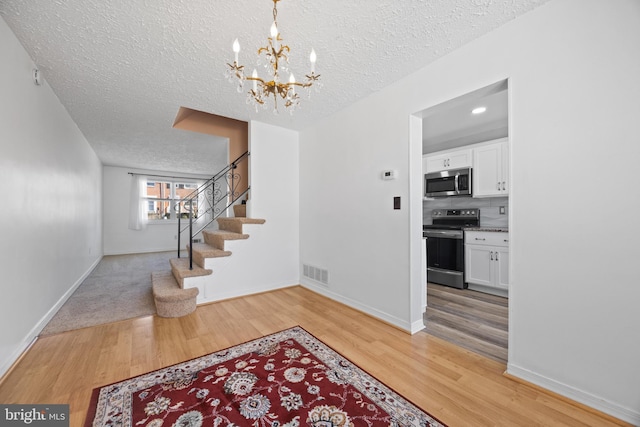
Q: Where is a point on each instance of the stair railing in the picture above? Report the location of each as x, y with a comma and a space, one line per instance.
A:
209, 201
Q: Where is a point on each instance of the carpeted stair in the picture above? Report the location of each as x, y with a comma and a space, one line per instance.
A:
169, 287
171, 300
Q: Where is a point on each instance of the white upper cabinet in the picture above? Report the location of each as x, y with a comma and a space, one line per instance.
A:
490, 162
446, 160
491, 169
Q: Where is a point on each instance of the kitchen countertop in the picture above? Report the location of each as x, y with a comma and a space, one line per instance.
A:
491, 229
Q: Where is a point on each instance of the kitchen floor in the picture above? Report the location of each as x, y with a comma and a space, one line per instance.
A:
470, 319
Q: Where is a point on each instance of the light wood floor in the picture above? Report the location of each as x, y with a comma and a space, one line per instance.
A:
458, 387
474, 320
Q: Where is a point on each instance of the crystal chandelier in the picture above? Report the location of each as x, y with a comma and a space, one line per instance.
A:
276, 60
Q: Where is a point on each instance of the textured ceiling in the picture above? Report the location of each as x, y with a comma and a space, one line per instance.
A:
123, 68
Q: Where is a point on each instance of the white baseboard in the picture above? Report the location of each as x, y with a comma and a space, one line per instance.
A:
35, 331
489, 290
595, 402
393, 320
417, 326
145, 251
209, 297
19, 350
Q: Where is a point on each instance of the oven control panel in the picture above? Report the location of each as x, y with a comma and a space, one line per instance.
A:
455, 213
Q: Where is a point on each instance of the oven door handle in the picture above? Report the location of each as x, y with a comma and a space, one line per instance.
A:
456, 183
443, 234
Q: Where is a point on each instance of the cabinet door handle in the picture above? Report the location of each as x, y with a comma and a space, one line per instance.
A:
491, 255
498, 186
504, 187
478, 238
496, 256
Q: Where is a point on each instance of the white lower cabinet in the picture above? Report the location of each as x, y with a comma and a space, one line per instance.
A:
502, 280
487, 259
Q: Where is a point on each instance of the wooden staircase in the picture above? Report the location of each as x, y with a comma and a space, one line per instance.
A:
230, 228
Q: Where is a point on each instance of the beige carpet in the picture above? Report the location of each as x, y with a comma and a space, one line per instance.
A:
118, 288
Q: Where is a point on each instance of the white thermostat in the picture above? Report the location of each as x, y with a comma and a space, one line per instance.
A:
387, 175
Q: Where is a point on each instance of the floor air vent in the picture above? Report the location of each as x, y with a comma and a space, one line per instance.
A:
318, 274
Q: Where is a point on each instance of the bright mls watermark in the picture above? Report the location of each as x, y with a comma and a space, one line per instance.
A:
34, 415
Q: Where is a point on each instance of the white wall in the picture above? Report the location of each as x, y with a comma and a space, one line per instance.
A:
347, 222
274, 197
118, 238
51, 218
573, 74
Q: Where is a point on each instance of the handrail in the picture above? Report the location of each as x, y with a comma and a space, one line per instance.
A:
217, 194
218, 175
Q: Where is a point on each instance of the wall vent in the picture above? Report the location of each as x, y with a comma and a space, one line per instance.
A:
319, 275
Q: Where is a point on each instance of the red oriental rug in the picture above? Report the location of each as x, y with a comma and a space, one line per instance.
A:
286, 379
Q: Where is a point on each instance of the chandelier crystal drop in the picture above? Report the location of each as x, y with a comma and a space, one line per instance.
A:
275, 58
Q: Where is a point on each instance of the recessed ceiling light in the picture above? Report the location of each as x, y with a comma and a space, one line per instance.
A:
478, 110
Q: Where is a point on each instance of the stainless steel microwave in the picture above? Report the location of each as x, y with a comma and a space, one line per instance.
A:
453, 182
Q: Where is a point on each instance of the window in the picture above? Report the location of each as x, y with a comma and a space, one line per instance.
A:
164, 199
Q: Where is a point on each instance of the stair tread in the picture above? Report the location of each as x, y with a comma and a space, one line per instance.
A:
226, 234
180, 266
159, 278
208, 251
236, 224
166, 288
242, 219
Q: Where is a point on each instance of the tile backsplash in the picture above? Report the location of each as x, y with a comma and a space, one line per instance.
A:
489, 209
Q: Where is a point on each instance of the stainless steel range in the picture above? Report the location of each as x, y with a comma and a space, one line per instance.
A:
445, 245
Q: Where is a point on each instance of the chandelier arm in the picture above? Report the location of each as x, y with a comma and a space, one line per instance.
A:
258, 79
295, 84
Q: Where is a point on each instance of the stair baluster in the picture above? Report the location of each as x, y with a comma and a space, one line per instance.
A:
223, 189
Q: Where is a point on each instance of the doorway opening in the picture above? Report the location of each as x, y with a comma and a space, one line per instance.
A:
456, 134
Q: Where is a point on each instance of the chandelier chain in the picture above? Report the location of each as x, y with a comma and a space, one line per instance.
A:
275, 11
